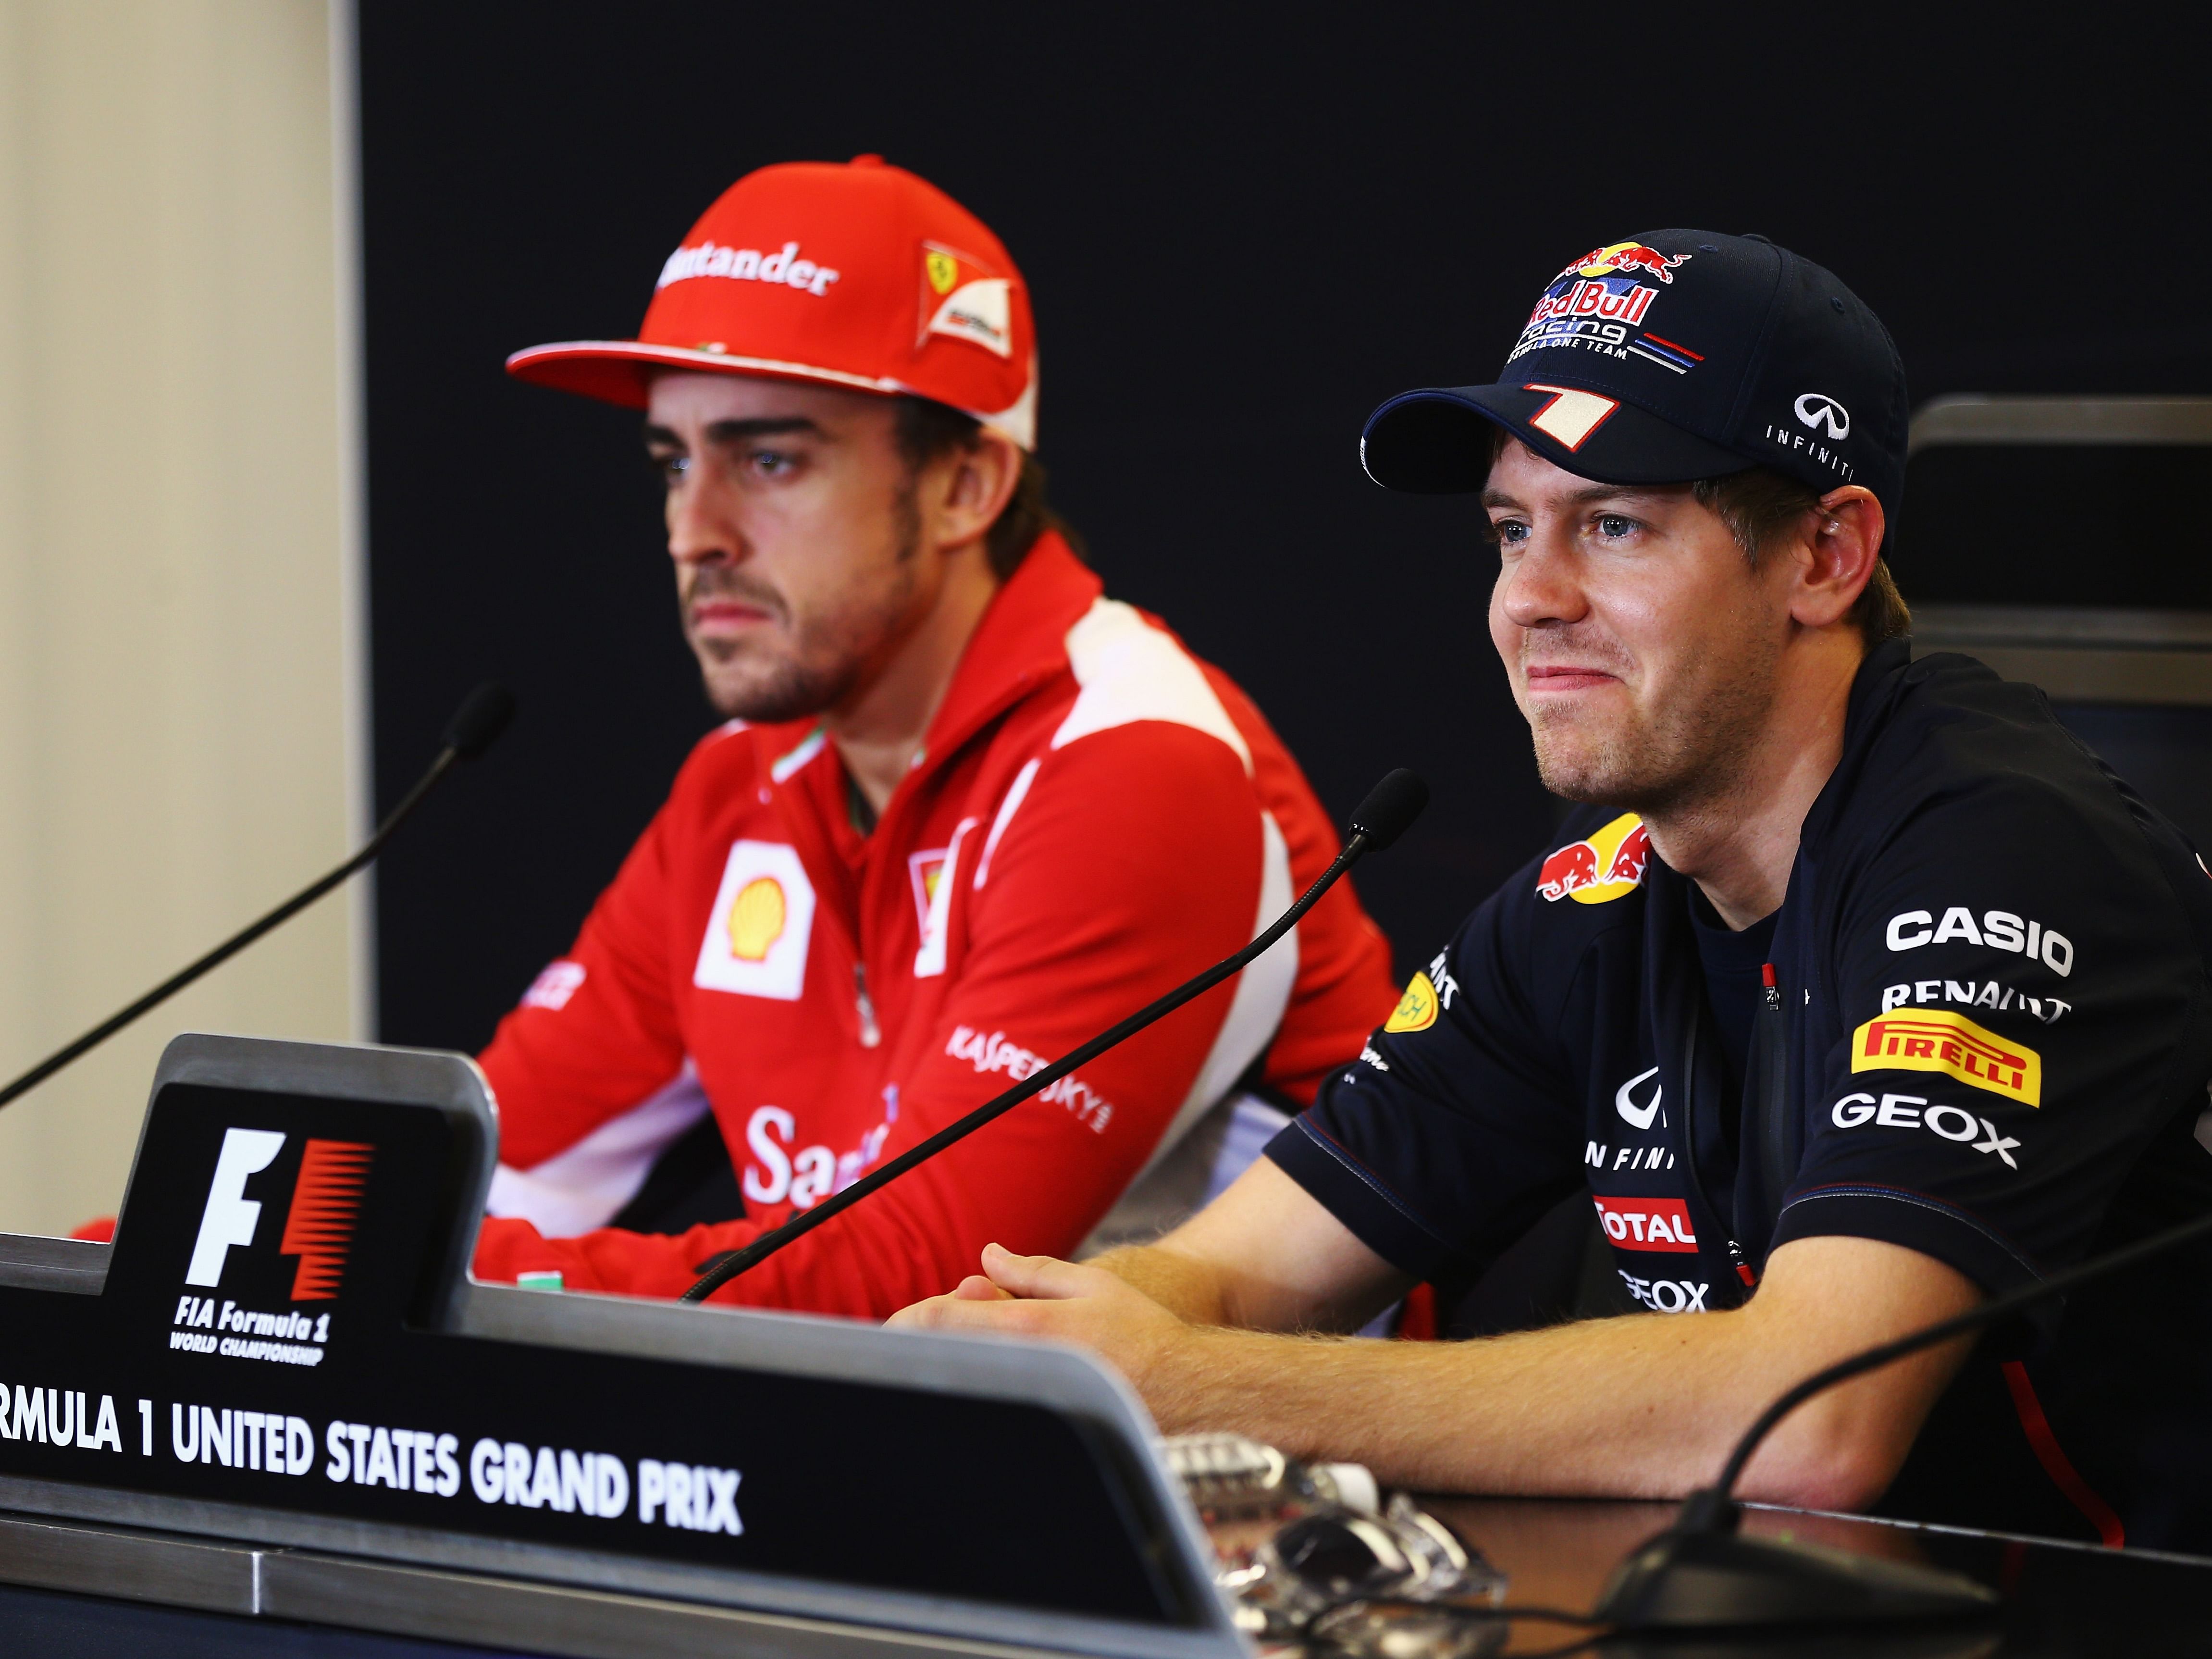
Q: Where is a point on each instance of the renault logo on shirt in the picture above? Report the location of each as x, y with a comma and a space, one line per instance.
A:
1937, 1040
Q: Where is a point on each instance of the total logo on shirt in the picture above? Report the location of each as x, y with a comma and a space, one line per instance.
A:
760, 923
1647, 1224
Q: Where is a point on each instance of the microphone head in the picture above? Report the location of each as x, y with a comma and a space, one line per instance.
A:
481, 718
1390, 806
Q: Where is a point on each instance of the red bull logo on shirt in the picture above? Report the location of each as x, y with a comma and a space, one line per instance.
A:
1601, 869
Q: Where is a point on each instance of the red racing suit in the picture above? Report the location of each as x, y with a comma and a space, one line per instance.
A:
1095, 816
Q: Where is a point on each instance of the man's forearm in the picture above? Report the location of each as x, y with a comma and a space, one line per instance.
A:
1647, 1405
1641, 1406
1521, 1414
1633, 1406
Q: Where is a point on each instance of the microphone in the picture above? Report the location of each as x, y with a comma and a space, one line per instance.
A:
481, 718
1380, 819
1701, 1573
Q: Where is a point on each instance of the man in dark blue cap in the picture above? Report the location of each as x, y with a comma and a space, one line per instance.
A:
1858, 993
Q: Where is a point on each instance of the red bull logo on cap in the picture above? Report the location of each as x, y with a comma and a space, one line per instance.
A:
1601, 869
1596, 301
1628, 260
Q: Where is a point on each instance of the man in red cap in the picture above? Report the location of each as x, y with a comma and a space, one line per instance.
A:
965, 812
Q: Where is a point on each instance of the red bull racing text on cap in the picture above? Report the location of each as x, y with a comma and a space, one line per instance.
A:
862, 276
1673, 356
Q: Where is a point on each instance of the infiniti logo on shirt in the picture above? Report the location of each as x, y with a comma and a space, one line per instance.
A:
1623, 1101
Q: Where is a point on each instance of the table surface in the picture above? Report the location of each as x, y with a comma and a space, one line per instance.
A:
2061, 1600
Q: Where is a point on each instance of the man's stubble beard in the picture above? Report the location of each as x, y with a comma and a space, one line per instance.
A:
828, 656
1690, 757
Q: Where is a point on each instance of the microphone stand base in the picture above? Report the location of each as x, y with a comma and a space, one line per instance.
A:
1703, 1580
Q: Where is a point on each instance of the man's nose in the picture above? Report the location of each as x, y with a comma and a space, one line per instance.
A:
701, 530
1544, 586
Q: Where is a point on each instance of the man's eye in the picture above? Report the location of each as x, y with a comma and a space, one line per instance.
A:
1509, 532
772, 463
672, 469
1614, 525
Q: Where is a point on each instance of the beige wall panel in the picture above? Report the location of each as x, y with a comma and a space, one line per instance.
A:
174, 709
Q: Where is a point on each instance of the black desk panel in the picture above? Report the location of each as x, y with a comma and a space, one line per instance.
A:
2061, 1600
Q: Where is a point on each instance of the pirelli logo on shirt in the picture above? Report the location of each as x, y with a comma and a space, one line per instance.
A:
1936, 1040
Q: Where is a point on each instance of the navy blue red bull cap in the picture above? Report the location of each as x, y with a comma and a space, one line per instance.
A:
1678, 356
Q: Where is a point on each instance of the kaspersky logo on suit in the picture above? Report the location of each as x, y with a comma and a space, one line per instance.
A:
319, 1222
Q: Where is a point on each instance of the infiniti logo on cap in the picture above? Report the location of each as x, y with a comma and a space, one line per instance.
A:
1820, 411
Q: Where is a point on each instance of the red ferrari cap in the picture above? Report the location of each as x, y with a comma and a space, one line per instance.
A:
860, 274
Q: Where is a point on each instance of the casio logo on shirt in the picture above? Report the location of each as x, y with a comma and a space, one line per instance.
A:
2000, 930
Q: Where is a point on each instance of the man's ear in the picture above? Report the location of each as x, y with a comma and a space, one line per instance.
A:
968, 487
1838, 555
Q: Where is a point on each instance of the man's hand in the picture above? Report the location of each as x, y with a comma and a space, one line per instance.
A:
1038, 1295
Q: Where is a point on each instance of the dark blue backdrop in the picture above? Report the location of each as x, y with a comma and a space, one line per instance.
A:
1244, 227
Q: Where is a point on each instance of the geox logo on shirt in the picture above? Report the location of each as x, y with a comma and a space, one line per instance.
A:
1937, 1040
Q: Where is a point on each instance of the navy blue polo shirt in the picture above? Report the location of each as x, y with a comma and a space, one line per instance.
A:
1994, 1024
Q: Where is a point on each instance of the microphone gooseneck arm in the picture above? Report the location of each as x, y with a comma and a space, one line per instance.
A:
1389, 807
477, 722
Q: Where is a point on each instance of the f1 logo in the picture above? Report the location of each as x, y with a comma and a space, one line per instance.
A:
318, 1229
231, 1218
